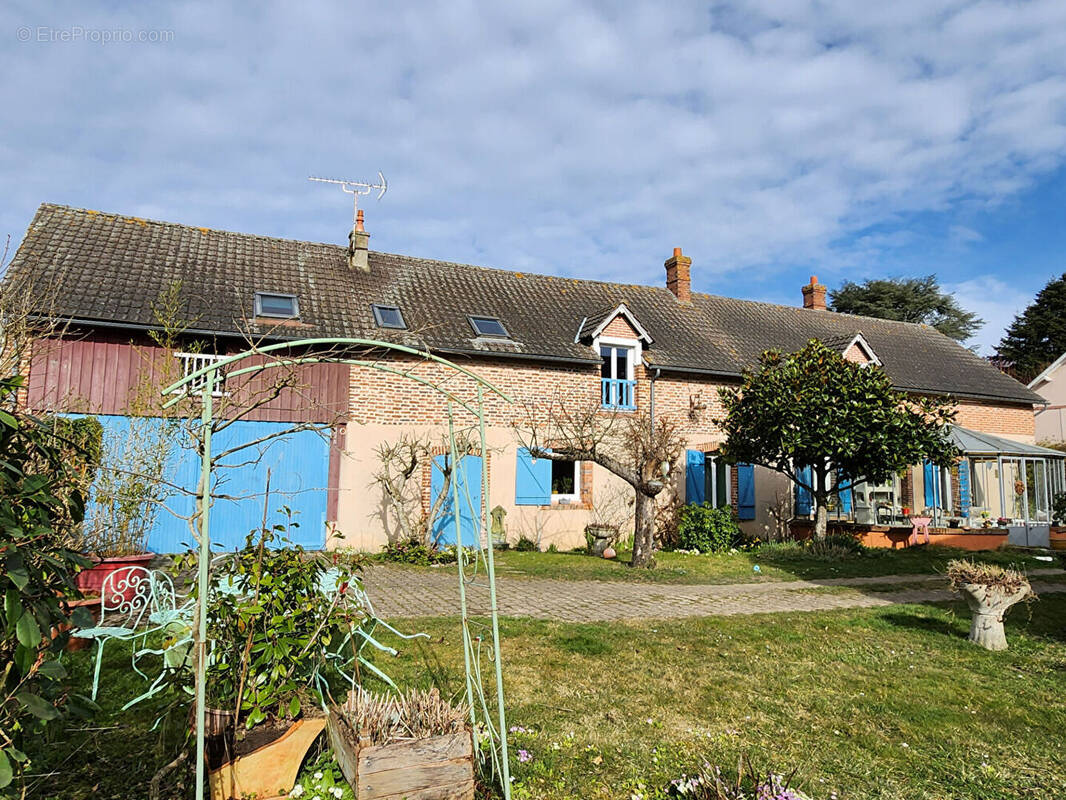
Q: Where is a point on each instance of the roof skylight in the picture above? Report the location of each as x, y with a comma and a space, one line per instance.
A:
388, 317
283, 306
489, 326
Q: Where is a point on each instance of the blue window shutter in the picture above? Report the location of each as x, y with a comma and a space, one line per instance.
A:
929, 479
745, 491
844, 486
964, 487
695, 466
532, 480
803, 497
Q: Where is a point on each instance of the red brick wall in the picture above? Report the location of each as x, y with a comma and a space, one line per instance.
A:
620, 327
1004, 420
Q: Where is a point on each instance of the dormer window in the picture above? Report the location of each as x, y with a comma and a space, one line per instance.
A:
489, 326
389, 317
617, 386
282, 306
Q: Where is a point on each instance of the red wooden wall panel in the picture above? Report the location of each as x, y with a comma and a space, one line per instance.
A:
101, 372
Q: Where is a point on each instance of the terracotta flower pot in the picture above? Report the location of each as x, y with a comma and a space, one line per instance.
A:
271, 770
988, 605
91, 580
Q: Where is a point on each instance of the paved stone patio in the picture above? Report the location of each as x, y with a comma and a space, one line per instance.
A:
399, 592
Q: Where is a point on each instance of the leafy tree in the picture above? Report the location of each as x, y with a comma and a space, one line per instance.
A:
1037, 336
907, 300
842, 419
41, 497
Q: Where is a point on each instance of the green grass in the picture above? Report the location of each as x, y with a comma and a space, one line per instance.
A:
776, 563
892, 704
612, 708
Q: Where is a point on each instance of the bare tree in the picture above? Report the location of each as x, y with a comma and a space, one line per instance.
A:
399, 476
632, 446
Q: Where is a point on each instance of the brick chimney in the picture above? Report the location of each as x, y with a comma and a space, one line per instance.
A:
814, 295
678, 276
358, 244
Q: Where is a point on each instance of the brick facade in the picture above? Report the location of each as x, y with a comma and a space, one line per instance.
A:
1016, 422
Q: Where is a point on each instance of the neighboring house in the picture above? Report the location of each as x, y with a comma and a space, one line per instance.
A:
627, 348
1051, 417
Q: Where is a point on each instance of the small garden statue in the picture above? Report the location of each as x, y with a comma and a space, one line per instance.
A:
990, 591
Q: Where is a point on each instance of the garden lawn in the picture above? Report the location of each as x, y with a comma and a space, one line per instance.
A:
889, 703
776, 563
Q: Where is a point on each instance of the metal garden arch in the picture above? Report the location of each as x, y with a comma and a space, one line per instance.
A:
470, 559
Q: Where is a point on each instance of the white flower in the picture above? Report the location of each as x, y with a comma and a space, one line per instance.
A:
318, 776
297, 790
337, 791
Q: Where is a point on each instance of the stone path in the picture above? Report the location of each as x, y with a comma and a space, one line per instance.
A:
398, 592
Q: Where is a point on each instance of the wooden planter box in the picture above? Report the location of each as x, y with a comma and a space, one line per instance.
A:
438, 768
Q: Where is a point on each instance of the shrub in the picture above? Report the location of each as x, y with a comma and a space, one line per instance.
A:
707, 529
1058, 509
269, 639
40, 499
415, 552
835, 547
526, 545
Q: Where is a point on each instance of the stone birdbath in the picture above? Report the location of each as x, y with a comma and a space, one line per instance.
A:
990, 590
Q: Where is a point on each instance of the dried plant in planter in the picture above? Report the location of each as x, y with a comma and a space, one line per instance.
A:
418, 714
990, 591
414, 744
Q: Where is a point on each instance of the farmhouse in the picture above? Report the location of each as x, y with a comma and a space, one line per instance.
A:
663, 350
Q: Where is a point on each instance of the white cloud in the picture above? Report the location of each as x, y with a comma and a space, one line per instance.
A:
994, 301
586, 138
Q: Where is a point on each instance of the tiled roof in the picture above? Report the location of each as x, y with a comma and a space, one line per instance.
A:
111, 269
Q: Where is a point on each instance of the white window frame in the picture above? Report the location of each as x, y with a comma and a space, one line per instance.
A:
575, 496
710, 462
635, 352
191, 362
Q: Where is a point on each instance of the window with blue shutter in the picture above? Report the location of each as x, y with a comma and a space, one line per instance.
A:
964, 487
745, 491
803, 496
695, 479
532, 480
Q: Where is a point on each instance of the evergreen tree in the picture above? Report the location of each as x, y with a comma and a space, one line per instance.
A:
907, 300
1038, 335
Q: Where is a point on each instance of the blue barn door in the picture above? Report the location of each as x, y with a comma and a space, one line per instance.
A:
299, 479
468, 481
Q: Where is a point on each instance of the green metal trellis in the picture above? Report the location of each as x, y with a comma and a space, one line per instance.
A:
489, 734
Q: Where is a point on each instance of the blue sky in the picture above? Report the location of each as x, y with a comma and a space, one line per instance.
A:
772, 139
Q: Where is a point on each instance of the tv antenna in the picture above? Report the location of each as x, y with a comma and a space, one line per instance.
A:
357, 188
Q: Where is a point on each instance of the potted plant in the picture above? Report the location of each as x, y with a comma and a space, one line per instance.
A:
129, 489
990, 590
412, 745
613, 508
282, 632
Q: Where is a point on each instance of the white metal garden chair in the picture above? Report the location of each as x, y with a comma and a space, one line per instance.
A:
344, 653
129, 597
